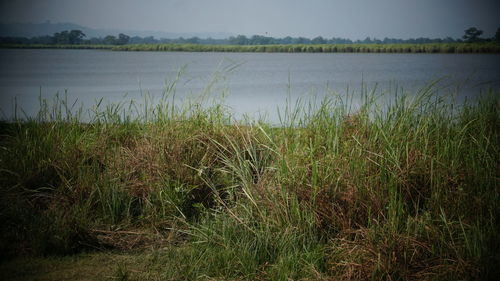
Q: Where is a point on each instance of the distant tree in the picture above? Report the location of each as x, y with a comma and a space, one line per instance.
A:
135, 40
61, 37
302, 40
42, 40
318, 40
122, 39
152, 40
497, 35
472, 34
94, 40
75, 36
448, 40
193, 40
261, 40
14, 40
109, 40
287, 40
239, 40
337, 40
68, 37
367, 40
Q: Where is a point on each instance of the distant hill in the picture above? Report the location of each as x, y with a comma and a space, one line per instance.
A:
49, 28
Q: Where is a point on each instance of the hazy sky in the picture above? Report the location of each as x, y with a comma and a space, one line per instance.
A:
354, 19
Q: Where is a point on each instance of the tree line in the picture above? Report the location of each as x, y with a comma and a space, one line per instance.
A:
75, 37
69, 37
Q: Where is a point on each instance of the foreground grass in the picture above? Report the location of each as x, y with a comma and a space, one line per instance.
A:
91, 266
404, 191
489, 47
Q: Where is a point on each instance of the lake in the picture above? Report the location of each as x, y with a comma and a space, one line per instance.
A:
251, 83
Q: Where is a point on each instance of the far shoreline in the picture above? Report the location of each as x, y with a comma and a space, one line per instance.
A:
426, 48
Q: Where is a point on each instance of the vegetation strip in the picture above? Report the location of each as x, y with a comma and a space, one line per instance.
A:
488, 47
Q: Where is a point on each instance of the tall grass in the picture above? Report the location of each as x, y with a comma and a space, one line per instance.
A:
321, 48
489, 47
399, 191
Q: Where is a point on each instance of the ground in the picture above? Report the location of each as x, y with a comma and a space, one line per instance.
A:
85, 266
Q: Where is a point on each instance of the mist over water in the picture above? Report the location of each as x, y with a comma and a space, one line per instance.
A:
255, 84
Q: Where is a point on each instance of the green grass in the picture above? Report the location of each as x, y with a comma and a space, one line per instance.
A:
321, 48
399, 191
489, 47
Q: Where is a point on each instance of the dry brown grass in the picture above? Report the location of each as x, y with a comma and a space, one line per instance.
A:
365, 255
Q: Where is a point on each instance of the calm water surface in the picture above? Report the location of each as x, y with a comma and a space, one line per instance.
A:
253, 83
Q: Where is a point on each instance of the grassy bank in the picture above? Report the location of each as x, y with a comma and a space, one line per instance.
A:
294, 48
326, 48
407, 192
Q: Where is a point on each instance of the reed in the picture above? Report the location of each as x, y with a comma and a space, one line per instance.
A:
406, 190
487, 47
324, 48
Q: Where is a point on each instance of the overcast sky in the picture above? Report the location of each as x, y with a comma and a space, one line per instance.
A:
354, 19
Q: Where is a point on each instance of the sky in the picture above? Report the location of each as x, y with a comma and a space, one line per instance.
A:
353, 19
